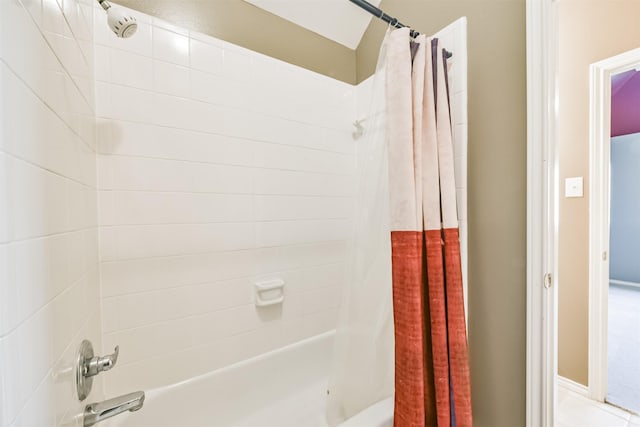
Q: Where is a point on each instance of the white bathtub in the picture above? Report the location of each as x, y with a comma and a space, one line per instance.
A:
283, 388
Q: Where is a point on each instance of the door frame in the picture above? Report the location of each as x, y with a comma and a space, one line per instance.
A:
542, 213
599, 212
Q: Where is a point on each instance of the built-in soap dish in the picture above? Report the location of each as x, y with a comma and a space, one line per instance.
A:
269, 292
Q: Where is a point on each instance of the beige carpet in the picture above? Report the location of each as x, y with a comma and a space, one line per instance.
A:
624, 347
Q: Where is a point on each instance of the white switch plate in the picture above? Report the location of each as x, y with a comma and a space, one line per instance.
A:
573, 187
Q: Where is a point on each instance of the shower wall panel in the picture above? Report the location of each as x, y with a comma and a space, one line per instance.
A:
218, 167
49, 281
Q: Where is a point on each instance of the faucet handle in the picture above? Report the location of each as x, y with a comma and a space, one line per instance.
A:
101, 364
107, 362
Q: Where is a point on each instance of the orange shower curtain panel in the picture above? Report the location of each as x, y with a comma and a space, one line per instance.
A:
432, 385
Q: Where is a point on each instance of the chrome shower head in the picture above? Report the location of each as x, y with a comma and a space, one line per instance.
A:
121, 23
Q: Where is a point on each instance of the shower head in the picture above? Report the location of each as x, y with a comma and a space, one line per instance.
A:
121, 23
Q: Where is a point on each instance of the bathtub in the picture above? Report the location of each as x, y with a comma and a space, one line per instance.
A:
282, 388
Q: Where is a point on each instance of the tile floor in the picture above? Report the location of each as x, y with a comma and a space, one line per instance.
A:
575, 410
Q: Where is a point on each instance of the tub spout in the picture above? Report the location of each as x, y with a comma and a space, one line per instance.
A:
100, 411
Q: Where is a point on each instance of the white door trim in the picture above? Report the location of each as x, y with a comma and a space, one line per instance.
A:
542, 184
599, 204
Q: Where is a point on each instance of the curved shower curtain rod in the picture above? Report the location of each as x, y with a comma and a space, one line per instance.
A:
379, 13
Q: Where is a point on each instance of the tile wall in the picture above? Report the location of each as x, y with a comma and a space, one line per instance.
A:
217, 167
49, 280
208, 168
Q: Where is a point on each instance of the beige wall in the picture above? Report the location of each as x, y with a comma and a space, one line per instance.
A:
497, 191
245, 25
589, 32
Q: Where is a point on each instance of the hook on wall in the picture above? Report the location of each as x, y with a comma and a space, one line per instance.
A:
357, 134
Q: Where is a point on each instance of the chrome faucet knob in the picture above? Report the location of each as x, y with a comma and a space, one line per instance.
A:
100, 364
88, 365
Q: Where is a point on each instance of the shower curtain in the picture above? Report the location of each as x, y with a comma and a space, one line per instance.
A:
402, 323
432, 385
362, 369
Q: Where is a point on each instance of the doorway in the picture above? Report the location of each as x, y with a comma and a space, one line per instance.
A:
623, 331
582, 401
614, 322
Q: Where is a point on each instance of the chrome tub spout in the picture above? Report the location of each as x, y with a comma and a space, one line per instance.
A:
100, 411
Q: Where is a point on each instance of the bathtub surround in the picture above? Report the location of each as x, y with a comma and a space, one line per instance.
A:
497, 124
49, 281
218, 167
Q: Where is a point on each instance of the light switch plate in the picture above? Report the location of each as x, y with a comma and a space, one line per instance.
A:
573, 187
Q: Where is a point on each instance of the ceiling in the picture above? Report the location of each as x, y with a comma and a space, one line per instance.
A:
338, 20
625, 103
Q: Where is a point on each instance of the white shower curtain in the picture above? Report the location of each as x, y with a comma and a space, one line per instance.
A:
363, 366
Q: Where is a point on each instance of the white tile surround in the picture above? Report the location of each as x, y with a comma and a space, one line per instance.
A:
208, 167
217, 167
49, 280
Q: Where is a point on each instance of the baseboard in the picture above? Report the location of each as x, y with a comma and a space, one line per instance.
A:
573, 386
623, 283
